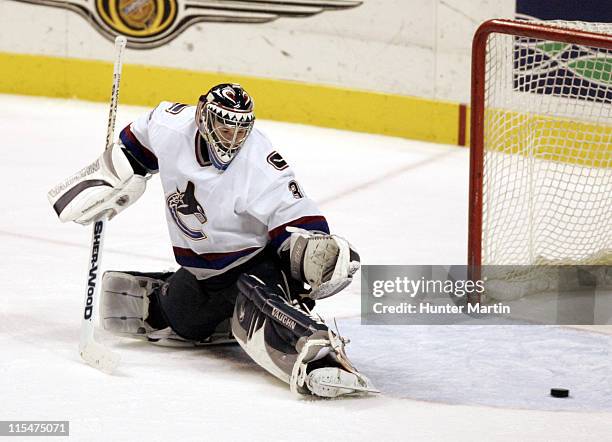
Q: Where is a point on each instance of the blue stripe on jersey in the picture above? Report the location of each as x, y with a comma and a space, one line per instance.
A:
279, 234
213, 261
143, 155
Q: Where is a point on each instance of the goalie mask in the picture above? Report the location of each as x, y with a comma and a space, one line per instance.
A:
225, 118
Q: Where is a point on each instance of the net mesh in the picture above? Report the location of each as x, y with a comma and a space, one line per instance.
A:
547, 176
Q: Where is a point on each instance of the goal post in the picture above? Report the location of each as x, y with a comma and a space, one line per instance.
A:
541, 115
541, 144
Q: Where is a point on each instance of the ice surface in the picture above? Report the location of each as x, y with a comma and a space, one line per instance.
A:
398, 201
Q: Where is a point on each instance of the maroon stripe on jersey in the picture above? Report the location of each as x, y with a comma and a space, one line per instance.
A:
201, 150
279, 234
217, 261
137, 149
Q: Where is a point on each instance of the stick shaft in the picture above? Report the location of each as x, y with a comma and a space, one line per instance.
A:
93, 353
120, 43
99, 225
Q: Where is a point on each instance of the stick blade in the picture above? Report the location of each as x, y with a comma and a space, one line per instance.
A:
100, 357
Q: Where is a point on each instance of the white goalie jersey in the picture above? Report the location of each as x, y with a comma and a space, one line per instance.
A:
218, 219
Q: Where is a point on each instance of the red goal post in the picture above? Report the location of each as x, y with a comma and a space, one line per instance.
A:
552, 32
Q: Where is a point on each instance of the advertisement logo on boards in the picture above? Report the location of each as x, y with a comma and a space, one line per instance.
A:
558, 68
150, 24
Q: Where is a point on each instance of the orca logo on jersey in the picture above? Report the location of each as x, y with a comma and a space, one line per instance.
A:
187, 212
150, 24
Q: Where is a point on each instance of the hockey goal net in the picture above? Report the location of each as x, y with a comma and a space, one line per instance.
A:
541, 144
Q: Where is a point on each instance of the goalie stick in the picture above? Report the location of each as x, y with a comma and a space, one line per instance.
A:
92, 352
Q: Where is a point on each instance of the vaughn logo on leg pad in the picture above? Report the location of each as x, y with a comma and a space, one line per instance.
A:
187, 212
283, 318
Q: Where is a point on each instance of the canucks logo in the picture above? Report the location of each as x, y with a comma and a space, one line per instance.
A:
152, 23
187, 212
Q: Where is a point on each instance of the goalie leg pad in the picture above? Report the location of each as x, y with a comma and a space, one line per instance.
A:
126, 300
291, 344
268, 328
130, 307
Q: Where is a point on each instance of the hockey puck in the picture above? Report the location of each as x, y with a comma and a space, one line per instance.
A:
559, 392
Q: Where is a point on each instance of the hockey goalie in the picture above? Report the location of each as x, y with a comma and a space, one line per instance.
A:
255, 253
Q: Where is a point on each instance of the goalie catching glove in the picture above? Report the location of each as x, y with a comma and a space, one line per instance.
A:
325, 262
108, 185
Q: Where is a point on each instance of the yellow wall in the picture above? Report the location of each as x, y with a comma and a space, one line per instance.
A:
280, 100
549, 138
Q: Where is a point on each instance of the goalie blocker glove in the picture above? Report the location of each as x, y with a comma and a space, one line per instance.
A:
108, 185
325, 262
